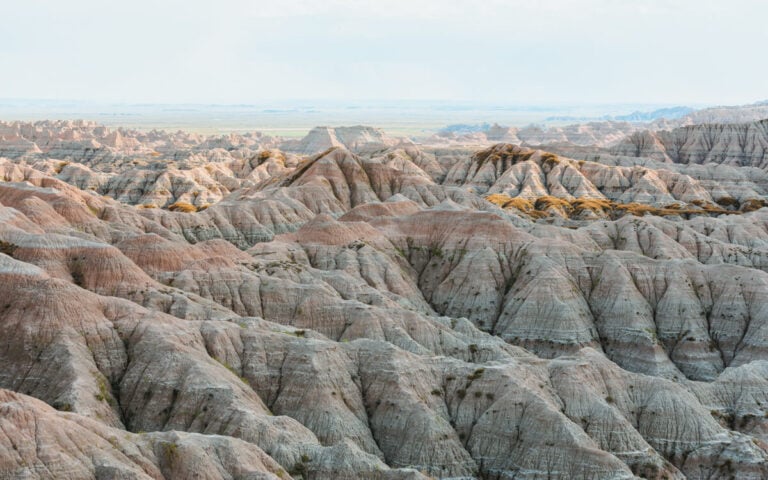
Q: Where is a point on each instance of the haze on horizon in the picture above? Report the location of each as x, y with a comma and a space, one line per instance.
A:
239, 51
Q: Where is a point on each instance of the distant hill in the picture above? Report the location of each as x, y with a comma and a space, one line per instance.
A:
670, 113
464, 128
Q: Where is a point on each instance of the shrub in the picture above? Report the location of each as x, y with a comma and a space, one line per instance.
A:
522, 204
171, 451
62, 406
638, 209
58, 168
549, 202
544, 206
7, 248
103, 395
507, 153
718, 210
597, 205
752, 204
498, 199
505, 201
182, 207
76, 271
300, 469
727, 202
549, 160
476, 374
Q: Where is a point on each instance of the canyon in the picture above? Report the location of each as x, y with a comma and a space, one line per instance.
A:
587, 301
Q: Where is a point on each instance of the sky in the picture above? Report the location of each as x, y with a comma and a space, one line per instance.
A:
693, 52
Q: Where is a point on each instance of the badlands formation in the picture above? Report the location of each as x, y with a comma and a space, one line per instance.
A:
356, 306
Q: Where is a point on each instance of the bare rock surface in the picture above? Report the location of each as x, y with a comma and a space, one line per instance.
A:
380, 309
742, 144
359, 139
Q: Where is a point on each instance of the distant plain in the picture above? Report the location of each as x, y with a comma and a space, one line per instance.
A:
293, 119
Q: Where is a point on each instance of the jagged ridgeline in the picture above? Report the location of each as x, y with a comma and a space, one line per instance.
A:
352, 305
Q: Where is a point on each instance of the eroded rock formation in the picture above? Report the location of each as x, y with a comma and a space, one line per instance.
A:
397, 312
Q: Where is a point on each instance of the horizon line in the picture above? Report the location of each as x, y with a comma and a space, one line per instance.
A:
353, 101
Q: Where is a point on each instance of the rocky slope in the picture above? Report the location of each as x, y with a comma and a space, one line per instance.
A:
597, 133
358, 139
402, 312
624, 134
723, 115
743, 144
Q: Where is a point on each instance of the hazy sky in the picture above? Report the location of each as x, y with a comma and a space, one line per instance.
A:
527, 51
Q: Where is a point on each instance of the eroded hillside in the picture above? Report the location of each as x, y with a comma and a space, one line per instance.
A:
177, 305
